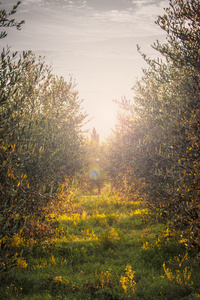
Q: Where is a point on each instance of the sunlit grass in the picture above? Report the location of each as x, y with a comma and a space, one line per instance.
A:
104, 249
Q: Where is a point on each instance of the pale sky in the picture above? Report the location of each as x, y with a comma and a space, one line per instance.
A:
95, 42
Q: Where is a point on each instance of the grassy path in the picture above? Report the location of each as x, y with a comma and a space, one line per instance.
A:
106, 249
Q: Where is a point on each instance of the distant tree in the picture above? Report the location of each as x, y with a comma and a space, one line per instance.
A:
94, 135
93, 176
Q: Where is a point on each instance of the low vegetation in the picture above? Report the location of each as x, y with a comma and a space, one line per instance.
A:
102, 248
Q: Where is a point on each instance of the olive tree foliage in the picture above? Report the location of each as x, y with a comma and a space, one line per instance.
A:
6, 20
181, 23
41, 121
157, 139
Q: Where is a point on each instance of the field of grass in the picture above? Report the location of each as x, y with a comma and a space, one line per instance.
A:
106, 248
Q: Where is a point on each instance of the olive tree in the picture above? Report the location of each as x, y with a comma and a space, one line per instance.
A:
159, 136
41, 120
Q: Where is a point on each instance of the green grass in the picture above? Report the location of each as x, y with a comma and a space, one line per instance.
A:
88, 257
